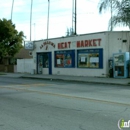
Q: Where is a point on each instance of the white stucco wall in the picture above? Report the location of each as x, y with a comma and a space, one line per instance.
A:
111, 42
24, 65
115, 42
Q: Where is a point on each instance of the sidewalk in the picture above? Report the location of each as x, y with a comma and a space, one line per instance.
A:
82, 79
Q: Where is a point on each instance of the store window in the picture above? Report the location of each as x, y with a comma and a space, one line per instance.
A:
65, 59
90, 58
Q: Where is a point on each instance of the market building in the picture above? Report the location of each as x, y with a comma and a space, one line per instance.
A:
79, 55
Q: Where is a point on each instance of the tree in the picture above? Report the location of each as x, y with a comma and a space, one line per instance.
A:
123, 15
70, 32
120, 11
10, 39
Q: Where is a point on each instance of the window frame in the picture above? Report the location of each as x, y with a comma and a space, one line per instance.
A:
91, 51
65, 52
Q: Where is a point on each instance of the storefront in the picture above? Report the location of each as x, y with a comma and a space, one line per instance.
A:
81, 55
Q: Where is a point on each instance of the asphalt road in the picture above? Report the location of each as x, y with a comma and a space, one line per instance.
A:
27, 104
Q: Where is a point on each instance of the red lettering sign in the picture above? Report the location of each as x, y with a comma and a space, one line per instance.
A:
59, 45
94, 42
86, 43
99, 41
89, 43
78, 43
64, 45
82, 43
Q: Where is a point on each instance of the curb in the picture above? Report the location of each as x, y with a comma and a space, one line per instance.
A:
77, 81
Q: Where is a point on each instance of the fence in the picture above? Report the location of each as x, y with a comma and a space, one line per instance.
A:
6, 68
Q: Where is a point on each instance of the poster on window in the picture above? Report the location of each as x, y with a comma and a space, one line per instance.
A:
94, 59
88, 60
82, 59
59, 60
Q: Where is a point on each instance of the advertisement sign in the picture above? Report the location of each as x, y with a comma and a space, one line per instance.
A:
29, 45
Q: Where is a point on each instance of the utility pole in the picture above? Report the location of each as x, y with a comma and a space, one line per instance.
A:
34, 31
74, 17
48, 18
12, 9
31, 20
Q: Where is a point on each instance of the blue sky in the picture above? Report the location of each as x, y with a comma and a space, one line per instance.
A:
88, 18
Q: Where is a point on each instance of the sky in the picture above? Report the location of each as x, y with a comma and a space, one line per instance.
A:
60, 17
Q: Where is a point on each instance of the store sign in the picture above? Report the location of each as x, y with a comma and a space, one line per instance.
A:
82, 43
64, 45
89, 43
46, 44
29, 45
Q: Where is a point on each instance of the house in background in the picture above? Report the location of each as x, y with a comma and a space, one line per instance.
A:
10, 63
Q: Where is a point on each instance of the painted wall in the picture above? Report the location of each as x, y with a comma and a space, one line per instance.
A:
25, 65
110, 42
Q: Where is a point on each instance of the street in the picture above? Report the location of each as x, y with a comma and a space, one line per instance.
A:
30, 104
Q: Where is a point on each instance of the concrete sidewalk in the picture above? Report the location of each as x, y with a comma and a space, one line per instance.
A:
82, 79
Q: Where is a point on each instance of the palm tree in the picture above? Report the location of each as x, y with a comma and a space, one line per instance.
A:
120, 12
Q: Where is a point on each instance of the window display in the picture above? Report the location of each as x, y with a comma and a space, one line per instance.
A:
65, 58
90, 58
59, 60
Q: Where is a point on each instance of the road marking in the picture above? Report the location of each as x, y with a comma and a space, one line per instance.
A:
68, 96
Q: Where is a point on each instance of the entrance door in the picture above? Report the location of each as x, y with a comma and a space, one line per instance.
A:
39, 63
44, 63
50, 62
